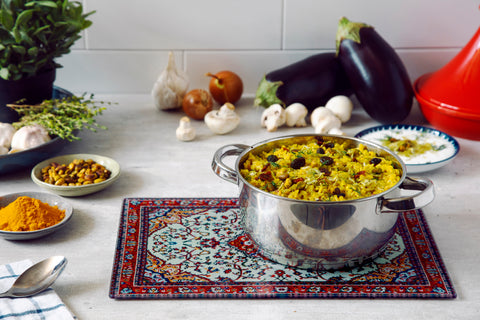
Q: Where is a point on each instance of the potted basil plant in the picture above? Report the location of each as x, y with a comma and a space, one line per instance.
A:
33, 34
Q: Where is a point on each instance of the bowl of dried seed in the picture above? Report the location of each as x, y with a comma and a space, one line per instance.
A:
76, 174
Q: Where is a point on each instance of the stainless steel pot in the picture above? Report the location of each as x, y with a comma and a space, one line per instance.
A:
315, 234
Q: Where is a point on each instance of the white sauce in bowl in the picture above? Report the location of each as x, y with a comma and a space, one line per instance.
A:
441, 150
446, 151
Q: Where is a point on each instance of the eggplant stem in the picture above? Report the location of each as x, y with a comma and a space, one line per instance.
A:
348, 30
266, 94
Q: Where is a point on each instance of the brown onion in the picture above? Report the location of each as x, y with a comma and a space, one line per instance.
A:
197, 103
225, 86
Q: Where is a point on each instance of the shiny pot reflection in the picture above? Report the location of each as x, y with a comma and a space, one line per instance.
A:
320, 234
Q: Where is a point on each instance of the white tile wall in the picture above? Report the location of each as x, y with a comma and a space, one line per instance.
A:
128, 44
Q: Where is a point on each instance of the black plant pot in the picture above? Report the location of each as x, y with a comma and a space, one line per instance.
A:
33, 89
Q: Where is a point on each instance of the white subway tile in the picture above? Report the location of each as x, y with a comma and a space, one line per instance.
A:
250, 66
185, 24
136, 71
112, 71
80, 43
311, 24
127, 47
421, 61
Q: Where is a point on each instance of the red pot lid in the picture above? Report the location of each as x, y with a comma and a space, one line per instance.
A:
457, 84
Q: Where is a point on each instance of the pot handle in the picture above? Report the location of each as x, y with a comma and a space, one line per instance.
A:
418, 200
220, 168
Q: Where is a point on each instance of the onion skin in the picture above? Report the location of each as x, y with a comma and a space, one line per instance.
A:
376, 74
225, 86
311, 82
197, 103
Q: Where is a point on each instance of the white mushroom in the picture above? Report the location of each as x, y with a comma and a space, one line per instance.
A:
223, 120
185, 131
318, 114
341, 106
29, 137
336, 131
273, 117
295, 115
6, 134
324, 121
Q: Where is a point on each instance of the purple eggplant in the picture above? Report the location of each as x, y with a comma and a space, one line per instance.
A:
375, 72
311, 82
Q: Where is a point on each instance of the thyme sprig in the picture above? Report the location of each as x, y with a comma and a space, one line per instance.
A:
62, 117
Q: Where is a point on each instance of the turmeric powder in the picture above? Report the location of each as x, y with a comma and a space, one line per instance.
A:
29, 214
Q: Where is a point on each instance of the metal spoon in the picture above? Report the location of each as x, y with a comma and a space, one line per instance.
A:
36, 278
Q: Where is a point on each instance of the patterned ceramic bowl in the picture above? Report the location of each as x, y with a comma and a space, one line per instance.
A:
428, 150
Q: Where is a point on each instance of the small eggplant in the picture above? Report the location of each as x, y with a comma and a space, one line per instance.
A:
375, 71
311, 82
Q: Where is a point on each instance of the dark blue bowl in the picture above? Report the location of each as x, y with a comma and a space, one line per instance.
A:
28, 158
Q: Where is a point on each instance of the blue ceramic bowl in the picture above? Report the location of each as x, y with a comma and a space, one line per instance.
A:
28, 158
417, 163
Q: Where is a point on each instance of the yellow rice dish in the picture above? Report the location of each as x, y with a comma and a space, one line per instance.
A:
321, 170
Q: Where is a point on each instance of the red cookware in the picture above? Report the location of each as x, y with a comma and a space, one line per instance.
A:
449, 98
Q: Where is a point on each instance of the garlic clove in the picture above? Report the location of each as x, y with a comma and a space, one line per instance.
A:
185, 130
222, 121
171, 86
29, 137
6, 134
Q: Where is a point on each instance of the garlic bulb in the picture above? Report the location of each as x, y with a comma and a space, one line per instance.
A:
170, 87
6, 134
29, 137
3, 150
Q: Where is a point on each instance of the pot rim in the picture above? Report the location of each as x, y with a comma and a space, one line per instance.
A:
367, 143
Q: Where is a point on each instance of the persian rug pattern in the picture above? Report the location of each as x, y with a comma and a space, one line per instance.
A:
197, 248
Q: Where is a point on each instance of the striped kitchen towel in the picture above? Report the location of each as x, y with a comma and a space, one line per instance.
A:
46, 305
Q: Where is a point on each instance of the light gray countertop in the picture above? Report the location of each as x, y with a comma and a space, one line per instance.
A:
155, 164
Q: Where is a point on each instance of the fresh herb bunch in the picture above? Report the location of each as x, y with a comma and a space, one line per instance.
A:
62, 117
35, 32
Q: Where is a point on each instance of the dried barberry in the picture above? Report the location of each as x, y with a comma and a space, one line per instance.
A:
266, 176
297, 180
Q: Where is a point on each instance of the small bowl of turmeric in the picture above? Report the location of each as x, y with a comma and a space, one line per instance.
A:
76, 175
30, 215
